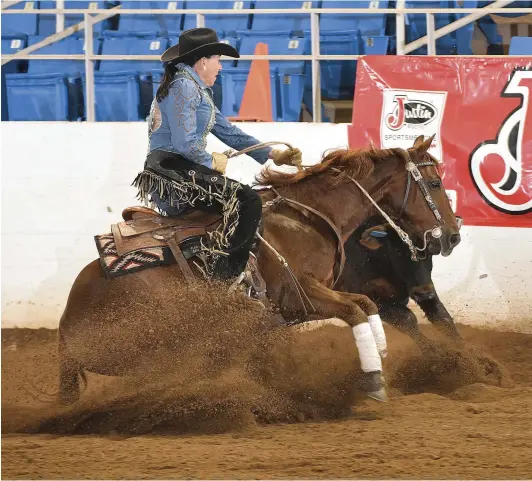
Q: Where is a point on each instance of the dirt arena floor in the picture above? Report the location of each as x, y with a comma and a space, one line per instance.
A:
291, 414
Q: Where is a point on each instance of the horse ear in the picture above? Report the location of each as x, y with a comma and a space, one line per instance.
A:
419, 140
423, 145
371, 239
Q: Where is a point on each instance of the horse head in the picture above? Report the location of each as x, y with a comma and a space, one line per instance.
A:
416, 201
404, 186
425, 210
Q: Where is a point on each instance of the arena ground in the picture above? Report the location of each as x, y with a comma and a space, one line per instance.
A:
447, 418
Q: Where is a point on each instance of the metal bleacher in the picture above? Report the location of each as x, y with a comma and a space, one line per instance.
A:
48, 90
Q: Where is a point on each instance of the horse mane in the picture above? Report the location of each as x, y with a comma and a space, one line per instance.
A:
355, 164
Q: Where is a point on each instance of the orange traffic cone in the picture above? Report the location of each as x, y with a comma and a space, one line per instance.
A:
256, 103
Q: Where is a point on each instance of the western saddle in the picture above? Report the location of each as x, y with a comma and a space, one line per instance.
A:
143, 227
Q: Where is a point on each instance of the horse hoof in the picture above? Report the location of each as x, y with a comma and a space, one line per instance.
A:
373, 385
379, 395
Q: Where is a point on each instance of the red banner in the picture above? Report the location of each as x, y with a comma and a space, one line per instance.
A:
480, 110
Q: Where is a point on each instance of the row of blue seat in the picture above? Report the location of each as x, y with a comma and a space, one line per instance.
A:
377, 24
368, 24
291, 81
53, 89
44, 24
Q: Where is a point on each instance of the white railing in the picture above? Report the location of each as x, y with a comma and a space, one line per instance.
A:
92, 16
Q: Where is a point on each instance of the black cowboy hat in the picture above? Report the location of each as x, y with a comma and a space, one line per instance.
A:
199, 42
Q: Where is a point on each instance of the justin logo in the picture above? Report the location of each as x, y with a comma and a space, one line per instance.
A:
407, 114
502, 168
413, 112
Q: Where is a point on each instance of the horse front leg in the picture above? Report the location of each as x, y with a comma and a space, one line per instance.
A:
331, 303
439, 316
374, 319
405, 321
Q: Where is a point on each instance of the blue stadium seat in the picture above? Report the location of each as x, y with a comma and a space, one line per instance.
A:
290, 22
287, 77
457, 42
51, 89
223, 24
10, 45
21, 24
416, 27
3, 91
338, 77
47, 23
464, 35
123, 88
156, 25
520, 46
488, 28
367, 24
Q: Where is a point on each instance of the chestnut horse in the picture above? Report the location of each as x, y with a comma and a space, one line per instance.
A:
298, 256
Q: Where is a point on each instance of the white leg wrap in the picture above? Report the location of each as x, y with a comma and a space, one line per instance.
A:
378, 331
370, 360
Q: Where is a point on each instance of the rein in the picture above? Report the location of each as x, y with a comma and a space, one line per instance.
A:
340, 252
412, 170
234, 153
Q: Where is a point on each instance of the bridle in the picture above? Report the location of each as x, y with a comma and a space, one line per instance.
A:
412, 172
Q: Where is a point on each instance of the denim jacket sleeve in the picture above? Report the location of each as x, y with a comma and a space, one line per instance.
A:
183, 100
237, 139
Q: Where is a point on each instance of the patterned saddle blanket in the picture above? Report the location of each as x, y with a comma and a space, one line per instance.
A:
143, 240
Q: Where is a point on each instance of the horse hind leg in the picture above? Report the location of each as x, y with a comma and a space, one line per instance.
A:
339, 304
69, 372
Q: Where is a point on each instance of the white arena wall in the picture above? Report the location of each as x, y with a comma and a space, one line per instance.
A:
62, 183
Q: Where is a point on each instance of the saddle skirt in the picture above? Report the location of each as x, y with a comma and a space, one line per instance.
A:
145, 239
143, 228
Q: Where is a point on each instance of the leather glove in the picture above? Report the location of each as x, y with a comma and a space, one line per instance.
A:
287, 157
219, 162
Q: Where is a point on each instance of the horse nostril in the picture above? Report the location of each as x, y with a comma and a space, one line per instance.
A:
455, 239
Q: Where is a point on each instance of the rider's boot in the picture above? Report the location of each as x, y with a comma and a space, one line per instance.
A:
248, 271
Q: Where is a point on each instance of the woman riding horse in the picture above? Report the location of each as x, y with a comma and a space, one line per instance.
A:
179, 173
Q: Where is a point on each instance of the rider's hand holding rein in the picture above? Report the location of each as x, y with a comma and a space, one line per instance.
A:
286, 157
280, 157
219, 162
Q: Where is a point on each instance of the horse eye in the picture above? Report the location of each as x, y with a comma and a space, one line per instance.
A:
435, 184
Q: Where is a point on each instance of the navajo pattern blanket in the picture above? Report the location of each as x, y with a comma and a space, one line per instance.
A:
115, 265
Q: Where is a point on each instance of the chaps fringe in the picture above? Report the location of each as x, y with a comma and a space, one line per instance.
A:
187, 193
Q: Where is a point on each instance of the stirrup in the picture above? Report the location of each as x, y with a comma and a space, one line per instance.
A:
254, 284
237, 281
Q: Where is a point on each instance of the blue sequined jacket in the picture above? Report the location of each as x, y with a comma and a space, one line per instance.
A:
183, 120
